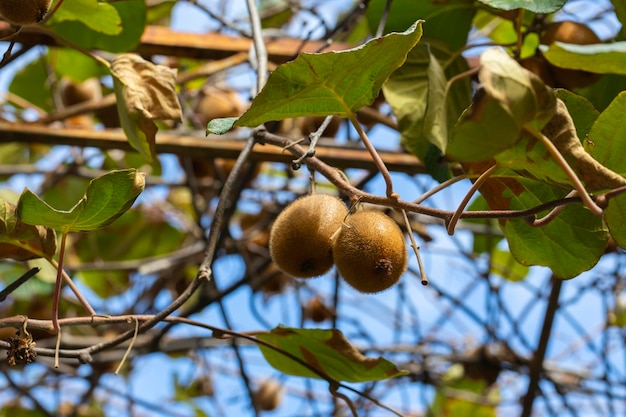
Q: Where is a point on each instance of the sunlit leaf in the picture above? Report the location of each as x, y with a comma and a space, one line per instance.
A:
607, 141
98, 16
536, 6
106, 198
327, 351
128, 30
336, 83
601, 58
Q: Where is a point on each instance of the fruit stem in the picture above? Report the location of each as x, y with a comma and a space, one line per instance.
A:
578, 185
57, 286
416, 248
374, 154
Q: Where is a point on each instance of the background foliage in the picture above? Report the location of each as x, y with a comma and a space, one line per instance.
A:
174, 307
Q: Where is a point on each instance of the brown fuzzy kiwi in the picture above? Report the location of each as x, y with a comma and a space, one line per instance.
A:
370, 251
576, 33
268, 396
214, 103
24, 12
300, 240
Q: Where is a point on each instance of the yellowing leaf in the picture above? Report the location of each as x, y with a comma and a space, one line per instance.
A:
21, 241
145, 92
327, 351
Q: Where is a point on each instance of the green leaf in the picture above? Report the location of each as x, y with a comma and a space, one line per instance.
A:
449, 21
107, 197
98, 16
512, 98
569, 245
536, 6
132, 14
415, 92
601, 58
327, 351
504, 264
221, 125
620, 12
74, 65
31, 83
336, 83
583, 113
607, 141
21, 241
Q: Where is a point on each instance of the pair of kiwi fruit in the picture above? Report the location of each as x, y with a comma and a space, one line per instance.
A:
24, 12
315, 232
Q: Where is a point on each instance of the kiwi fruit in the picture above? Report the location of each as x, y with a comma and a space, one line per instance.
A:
214, 103
370, 251
316, 311
300, 239
24, 12
78, 92
267, 397
576, 33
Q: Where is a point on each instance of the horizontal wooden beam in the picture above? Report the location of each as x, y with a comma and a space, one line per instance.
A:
161, 40
212, 147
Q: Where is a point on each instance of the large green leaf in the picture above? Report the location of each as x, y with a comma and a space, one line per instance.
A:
107, 197
537, 6
601, 58
337, 83
127, 31
448, 21
569, 245
607, 141
327, 351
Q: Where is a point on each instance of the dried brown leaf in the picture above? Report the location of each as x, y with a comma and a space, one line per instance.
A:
149, 89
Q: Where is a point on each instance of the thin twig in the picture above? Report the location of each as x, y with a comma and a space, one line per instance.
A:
380, 164
416, 249
259, 45
468, 196
17, 283
536, 364
313, 138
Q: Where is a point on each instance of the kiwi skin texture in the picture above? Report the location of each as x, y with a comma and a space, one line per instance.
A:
300, 239
24, 12
370, 251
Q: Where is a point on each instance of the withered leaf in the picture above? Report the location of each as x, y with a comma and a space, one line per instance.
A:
21, 241
145, 92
